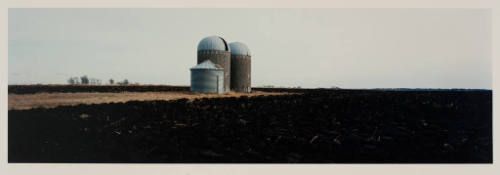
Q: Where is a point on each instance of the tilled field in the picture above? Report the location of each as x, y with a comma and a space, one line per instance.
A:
32, 89
343, 126
50, 100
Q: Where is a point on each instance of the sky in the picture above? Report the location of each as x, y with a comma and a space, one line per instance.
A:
310, 48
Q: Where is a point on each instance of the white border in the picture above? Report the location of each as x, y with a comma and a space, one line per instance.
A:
251, 169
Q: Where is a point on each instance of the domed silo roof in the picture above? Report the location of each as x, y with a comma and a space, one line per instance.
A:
213, 43
238, 48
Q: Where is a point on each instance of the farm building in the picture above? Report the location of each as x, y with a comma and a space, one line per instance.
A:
240, 67
215, 55
217, 50
207, 77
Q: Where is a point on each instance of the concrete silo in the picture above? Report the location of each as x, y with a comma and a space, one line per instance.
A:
207, 77
240, 67
217, 50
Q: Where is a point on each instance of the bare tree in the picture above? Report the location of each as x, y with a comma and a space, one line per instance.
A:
85, 79
125, 81
71, 81
95, 81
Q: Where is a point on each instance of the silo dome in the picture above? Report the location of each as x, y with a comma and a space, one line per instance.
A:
213, 43
238, 48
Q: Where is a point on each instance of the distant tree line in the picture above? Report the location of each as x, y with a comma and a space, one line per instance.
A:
94, 81
124, 82
84, 80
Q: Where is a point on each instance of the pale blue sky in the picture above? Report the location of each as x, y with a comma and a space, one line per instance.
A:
349, 48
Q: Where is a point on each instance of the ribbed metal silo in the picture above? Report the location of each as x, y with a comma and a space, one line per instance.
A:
240, 67
207, 77
217, 50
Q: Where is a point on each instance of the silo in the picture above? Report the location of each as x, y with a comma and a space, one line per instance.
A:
240, 67
207, 77
217, 50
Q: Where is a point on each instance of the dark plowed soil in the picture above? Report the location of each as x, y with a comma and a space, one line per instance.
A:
316, 127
